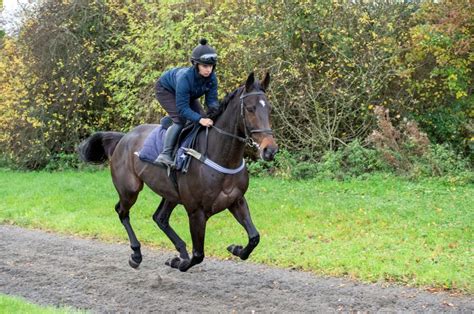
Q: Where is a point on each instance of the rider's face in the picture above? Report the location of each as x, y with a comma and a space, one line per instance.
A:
205, 69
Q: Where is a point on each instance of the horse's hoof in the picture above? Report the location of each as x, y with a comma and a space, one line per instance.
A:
184, 265
132, 263
235, 249
173, 262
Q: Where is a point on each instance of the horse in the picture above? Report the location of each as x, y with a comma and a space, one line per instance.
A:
244, 118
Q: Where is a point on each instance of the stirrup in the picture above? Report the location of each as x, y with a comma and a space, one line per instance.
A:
164, 160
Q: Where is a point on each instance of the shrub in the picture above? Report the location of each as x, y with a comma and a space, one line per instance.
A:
330, 165
79, 66
258, 168
437, 71
354, 160
359, 160
63, 161
399, 147
442, 160
305, 170
408, 151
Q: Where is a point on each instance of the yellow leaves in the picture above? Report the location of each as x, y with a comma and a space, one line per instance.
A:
13, 88
460, 94
390, 26
364, 19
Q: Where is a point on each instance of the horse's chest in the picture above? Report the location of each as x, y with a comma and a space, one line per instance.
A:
214, 194
226, 198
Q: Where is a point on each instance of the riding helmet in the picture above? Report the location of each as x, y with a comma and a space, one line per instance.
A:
204, 54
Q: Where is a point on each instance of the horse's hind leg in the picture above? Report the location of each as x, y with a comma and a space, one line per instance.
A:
123, 209
241, 212
162, 217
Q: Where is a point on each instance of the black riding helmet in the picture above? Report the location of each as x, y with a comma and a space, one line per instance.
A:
204, 54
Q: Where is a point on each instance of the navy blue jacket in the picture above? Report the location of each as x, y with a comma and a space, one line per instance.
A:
188, 85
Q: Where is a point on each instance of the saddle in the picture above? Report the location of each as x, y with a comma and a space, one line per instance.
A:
153, 144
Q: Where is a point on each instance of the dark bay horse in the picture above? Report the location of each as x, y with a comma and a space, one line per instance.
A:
203, 191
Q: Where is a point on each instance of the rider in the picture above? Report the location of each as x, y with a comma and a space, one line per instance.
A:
178, 90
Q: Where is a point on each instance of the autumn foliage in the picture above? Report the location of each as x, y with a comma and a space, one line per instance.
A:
80, 66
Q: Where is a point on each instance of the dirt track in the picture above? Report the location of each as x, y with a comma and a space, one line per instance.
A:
60, 270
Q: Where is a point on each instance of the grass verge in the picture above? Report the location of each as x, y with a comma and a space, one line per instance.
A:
9, 304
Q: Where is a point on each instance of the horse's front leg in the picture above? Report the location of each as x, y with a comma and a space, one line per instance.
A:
241, 212
197, 225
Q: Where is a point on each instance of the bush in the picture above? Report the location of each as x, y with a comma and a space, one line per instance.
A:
357, 161
352, 161
63, 161
436, 72
259, 168
442, 161
408, 151
330, 165
281, 167
401, 146
305, 170
331, 63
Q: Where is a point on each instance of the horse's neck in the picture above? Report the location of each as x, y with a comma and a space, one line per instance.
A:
223, 149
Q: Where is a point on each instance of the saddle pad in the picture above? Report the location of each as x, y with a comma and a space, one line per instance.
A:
153, 145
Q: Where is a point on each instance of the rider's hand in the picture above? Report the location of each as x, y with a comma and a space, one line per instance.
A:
206, 122
212, 112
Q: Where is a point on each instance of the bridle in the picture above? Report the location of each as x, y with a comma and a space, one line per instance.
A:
247, 140
248, 133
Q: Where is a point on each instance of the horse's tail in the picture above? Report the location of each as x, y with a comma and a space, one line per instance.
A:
99, 146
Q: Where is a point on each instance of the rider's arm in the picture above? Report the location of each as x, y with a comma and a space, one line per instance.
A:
183, 92
211, 95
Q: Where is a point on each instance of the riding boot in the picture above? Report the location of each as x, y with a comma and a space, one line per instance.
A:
171, 137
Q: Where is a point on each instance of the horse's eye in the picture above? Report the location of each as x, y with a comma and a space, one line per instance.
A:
251, 108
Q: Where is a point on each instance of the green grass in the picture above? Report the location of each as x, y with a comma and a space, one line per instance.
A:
380, 229
10, 305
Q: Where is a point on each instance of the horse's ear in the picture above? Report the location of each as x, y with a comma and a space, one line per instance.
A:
266, 81
249, 83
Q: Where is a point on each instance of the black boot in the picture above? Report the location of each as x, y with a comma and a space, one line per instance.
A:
171, 137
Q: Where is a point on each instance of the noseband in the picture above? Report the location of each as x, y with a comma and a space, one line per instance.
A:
248, 138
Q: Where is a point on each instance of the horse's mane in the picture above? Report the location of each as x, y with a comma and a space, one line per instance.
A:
223, 104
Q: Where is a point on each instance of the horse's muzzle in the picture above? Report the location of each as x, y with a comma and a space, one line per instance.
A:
269, 152
268, 148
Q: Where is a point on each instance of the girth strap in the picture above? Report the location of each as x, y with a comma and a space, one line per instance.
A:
212, 164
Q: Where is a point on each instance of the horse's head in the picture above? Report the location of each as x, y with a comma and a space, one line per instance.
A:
255, 109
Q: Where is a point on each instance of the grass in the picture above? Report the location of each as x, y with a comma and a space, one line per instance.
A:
10, 304
383, 228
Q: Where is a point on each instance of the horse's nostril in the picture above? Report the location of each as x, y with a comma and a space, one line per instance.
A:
268, 153
273, 152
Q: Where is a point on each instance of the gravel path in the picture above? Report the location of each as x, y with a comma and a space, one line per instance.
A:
63, 270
